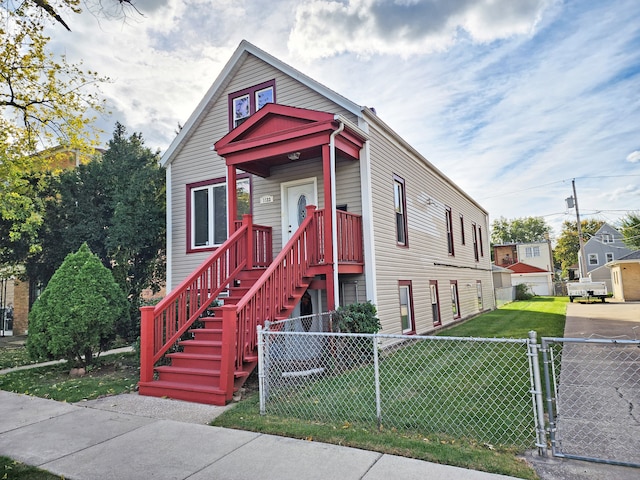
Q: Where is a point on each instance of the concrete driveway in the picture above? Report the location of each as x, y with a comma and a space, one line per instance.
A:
599, 395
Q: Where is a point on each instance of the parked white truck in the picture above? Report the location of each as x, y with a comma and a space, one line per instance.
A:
585, 288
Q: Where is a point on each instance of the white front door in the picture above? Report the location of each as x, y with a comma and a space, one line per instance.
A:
295, 197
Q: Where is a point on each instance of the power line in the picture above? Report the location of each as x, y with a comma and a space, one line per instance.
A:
557, 182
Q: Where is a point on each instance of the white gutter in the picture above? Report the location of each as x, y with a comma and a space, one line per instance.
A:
334, 215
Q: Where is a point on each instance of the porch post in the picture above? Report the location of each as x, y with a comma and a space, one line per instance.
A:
328, 225
232, 199
146, 343
248, 221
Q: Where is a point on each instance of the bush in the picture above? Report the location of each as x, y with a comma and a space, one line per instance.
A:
75, 316
523, 292
357, 318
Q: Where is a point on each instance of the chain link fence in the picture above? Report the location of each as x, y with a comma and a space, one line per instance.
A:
482, 389
593, 391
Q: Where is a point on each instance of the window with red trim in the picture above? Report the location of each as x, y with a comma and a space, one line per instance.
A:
400, 203
207, 211
406, 306
455, 300
449, 221
244, 103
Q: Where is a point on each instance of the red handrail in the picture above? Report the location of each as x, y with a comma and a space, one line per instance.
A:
269, 295
162, 325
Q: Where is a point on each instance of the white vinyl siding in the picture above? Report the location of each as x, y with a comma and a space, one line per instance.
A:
427, 257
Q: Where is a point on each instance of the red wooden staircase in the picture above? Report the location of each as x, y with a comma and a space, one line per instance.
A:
214, 362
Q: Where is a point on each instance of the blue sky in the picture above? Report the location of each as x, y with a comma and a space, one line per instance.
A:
510, 99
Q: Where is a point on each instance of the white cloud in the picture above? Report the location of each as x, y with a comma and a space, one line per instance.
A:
634, 157
365, 27
510, 105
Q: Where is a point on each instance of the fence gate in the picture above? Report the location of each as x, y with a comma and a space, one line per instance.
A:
593, 399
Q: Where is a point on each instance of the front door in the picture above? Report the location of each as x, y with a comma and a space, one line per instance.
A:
295, 198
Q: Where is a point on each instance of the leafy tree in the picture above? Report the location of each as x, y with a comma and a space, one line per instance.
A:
631, 230
566, 252
519, 230
75, 316
117, 206
44, 101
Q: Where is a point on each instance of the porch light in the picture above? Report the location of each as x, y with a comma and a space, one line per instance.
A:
293, 156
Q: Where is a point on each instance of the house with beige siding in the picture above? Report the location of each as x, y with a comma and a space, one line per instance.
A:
278, 186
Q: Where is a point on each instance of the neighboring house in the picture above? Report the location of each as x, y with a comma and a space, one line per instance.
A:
340, 205
539, 280
538, 254
604, 246
602, 274
503, 288
625, 277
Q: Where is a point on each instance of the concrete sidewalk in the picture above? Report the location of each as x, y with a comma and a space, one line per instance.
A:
133, 437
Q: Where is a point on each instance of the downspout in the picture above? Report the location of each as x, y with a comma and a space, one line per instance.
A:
334, 215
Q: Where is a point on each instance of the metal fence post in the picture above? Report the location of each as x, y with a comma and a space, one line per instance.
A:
536, 391
548, 365
376, 370
261, 369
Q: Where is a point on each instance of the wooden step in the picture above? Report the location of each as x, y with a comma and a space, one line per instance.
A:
207, 334
204, 347
189, 375
195, 360
181, 391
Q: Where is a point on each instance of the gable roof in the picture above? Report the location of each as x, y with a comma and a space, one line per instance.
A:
244, 49
606, 228
520, 267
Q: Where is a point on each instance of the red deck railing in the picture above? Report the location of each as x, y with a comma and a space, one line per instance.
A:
161, 326
350, 246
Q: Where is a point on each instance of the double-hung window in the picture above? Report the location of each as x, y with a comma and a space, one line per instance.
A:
406, 307
474, 233
207, 212
449, 222
400, 204
455, 300
244, 103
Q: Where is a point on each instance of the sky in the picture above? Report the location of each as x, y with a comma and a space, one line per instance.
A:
511, 99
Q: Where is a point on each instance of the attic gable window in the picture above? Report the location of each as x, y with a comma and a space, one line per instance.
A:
244, 103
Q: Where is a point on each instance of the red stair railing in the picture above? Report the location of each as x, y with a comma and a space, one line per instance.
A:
278, 284
161, 326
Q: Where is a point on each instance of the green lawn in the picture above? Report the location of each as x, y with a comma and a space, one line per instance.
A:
545, 315
113, 374
12, 470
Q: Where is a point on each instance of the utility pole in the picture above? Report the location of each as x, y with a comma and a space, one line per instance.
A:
581, 260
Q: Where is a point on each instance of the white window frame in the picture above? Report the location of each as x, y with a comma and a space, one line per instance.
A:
211, 215
243, 184
608, 257
592, 257
237, 118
